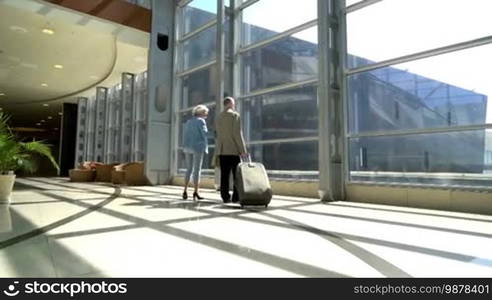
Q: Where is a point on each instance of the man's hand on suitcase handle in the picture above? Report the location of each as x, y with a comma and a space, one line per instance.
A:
245, 157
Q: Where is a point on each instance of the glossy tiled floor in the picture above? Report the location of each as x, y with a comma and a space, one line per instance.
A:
54, 228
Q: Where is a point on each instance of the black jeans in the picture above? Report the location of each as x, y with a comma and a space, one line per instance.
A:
228, 164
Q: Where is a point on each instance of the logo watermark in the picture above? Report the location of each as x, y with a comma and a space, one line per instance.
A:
11, 290
72, 288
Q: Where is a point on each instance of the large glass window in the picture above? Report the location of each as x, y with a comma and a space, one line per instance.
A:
393, 28
298, 156
199, 87
200, 49
286, 114
350, 2
439, 91
267, 18
275, 123
291, 59
436, 158
198, 13
424, 121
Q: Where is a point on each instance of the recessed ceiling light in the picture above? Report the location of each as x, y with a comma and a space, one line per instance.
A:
46, 104
50, 117
39, 124
42, 121
58, 66
2, 94
44, 84
56, 128
60, 113
1, 109
48, 31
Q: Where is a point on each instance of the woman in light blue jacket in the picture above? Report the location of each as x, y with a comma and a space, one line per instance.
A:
195, 145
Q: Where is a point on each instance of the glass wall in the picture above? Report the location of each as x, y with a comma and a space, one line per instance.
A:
418, 92
196, 69
139, 110
112, 123
278, 75
415, 94
273, 79
393, 28
90, 128
82, 130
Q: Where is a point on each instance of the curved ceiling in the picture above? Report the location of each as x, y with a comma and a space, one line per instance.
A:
41, 70
29, 57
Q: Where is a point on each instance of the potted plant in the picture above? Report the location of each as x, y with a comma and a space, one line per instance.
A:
17, 155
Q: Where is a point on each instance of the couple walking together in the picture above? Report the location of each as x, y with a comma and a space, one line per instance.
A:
229, 147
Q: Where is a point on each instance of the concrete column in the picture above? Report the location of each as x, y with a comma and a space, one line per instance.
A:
159, 107
330, 96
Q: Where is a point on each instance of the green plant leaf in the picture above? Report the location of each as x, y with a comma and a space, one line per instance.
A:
17, 155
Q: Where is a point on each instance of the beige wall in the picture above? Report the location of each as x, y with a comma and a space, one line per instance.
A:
433, 198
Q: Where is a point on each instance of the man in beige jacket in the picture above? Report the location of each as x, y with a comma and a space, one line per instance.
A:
229, 147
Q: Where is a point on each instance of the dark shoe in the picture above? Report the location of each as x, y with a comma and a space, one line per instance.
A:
235, 200
185, 196
195, 195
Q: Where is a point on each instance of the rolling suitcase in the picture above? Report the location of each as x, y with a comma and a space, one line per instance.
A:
252, 184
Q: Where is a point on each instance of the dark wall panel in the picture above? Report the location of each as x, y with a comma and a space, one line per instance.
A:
68, 138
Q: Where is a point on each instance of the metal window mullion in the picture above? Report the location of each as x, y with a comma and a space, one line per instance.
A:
282, 87
343, 56
81, 102
104, 125
244, 5
176, 92
197, 68
135, 121
183, 3
330, 107
132, 118
107, 141
121, 101
220, 52
197, 31
99, 135
236, 57
439, 175
283, 141
421, 131
279, 36
360, 5
423, 54
89, 120
178, 31
422, 185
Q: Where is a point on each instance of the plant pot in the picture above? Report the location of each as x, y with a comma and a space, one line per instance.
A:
6, 186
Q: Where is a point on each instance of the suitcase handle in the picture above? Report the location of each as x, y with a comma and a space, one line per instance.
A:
246, 159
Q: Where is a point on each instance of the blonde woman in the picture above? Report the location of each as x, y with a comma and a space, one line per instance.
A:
195, 145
